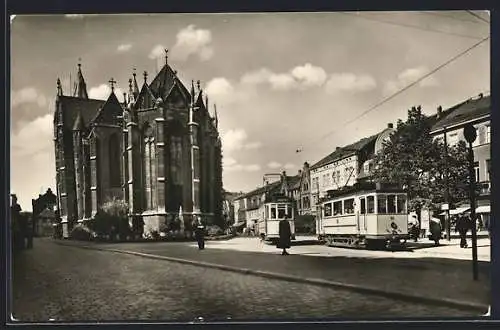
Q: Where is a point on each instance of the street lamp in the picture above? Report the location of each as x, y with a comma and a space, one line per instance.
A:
470, 135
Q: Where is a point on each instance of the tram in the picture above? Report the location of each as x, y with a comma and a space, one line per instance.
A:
369, 216
275, 208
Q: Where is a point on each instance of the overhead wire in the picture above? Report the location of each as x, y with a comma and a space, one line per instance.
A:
413, 26
385, 100
478, 17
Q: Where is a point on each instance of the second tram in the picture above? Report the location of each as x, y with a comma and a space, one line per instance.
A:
274, 209
364, 217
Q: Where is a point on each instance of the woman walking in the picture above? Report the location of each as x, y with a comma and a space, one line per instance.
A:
285, 236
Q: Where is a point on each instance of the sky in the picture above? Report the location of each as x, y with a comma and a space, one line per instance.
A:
281, 82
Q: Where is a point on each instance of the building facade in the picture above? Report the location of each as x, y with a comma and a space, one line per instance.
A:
159, 150
345, 166
43, 213
448, 127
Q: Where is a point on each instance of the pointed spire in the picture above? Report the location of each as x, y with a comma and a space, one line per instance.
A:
216, 117
192, 91
124, 98
198, 85
166, 56
135, 91
112, 83
78, 126
59, 88
206, 101
80, 86
145, 74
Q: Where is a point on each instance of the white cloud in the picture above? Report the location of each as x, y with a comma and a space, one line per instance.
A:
219, 87
228, 161
124, 48
344, 82
33, 137
274, 165
74, 16
156, 52
103, 91
409, 76
304, 76
28, 95
309, 75
289, 166
236, 139
193, 41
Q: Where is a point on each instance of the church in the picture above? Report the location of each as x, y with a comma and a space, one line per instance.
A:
159, 151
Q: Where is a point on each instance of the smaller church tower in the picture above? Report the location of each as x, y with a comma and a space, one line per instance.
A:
195, 152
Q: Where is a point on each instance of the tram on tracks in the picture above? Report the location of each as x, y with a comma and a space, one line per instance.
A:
364, 216
276, 207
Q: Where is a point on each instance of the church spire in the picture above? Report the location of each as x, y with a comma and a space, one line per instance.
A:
135, 90
59, 88
192, 91
216, 117
80, 86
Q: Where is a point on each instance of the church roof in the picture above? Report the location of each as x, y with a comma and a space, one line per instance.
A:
78, 126
80, 85
105, 113
163, 83
72, 106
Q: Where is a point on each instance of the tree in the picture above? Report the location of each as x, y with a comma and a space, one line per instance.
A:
412, 159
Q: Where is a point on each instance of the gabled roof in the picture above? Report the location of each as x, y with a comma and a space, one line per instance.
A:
463, 112
343, 152
105, 113
71, 106
272, 187
163, 83
146, 98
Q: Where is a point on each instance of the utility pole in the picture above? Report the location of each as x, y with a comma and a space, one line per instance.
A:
470, 135
447, 192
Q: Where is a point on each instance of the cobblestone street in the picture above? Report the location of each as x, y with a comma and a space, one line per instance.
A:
68, 283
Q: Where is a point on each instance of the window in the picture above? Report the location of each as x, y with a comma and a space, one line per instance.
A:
476, 171
401, 207
281, 211
328, 210
349, 206
337, 208
488, 134
370, 201
176, 159
452, 138
289, 211
362, 205
381, 204
391, 203
488, 169
273, 212
114, 161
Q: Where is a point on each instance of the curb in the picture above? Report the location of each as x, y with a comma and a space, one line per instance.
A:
464, 305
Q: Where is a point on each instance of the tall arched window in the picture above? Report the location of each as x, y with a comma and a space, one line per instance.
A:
149, 169
114, 161
176, 159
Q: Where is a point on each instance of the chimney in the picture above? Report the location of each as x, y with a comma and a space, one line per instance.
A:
306, 164
439, 111
337, 149
300, 172
390, 125
480, 95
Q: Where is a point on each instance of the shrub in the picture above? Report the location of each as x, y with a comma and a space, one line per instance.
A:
214, 230
112, 220
82, 233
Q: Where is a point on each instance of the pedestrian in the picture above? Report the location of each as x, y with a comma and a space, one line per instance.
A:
285, 236
199, 233
17, 230
435, 230
463, 228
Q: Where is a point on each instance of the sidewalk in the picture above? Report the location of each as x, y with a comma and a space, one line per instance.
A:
419, 276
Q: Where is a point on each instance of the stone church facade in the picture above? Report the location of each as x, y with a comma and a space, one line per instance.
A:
159, 150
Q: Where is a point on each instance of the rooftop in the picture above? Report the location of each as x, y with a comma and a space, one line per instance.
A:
464, 112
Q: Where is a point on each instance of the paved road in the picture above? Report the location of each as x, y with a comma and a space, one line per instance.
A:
70, 284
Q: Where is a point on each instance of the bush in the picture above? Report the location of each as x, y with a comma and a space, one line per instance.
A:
82, 233
214, 230
112, 220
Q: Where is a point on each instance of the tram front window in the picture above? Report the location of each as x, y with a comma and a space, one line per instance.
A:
281, 211
273, 212
391, 203
370, 200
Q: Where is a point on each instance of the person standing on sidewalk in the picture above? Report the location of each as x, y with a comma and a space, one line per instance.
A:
285, 236
462, 228
199, 233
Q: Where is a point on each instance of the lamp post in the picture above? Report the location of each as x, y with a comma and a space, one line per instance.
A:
470, 135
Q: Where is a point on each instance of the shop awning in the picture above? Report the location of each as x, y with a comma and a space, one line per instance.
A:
483, 209
456, 211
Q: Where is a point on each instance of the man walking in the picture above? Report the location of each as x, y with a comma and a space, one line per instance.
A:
199, 233
463, 228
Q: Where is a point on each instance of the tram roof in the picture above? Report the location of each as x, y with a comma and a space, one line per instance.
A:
363, 188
